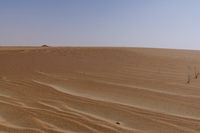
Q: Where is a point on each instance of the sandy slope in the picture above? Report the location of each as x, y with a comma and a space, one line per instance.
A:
89, 90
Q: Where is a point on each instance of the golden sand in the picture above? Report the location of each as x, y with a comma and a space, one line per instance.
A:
99, 90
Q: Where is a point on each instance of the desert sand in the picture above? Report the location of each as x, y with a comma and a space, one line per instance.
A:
99, 90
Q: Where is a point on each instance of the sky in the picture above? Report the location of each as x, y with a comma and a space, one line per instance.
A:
134, 23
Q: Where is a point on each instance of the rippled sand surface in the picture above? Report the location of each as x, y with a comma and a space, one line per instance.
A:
99, 90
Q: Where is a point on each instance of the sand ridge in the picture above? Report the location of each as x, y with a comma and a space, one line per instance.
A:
99, 90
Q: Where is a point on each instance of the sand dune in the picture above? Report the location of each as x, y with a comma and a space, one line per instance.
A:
99, 90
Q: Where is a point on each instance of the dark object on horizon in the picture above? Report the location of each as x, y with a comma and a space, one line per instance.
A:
45, 46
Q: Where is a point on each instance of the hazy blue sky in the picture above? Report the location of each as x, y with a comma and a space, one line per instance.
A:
143, 23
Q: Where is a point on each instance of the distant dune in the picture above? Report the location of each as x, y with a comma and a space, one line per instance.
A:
99, 90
